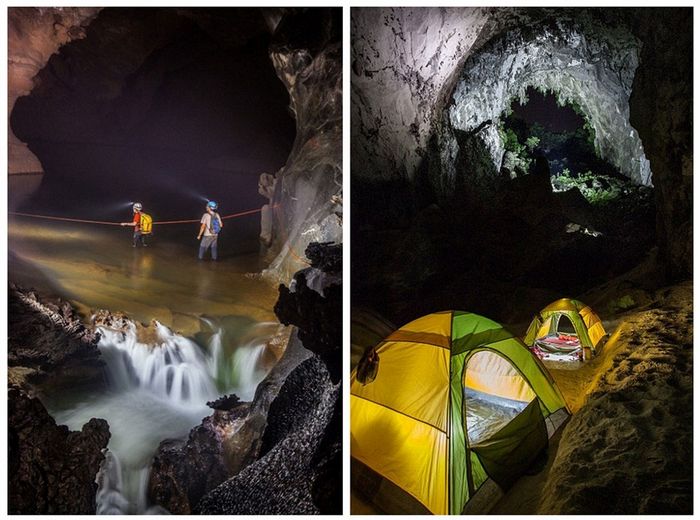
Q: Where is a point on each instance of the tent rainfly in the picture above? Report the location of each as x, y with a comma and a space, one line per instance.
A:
452, 399
545, 325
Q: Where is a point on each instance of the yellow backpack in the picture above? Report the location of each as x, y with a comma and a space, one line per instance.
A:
146, 224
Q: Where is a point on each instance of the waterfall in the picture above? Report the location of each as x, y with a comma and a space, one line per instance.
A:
246, 371
175, 369
159, 390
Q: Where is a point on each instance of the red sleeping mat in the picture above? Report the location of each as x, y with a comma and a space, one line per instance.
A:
563, 343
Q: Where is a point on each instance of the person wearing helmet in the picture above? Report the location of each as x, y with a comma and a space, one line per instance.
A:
136, 222
211, 225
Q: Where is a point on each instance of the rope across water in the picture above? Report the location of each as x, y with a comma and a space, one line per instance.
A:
105, 223
162, 222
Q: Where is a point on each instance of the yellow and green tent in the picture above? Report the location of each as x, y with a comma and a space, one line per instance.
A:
411, 421
589, 329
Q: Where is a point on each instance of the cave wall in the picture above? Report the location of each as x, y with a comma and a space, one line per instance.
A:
171, 101
306, 202
661, 109
403, 60
624, 67
34, 34
581, 61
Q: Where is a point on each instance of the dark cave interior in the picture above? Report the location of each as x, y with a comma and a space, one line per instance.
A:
470, 232
164, 106
171, 107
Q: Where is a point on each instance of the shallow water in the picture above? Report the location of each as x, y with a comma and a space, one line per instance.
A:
96, 267
157, 392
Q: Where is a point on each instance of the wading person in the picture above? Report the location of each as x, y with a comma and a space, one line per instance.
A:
211, 225
142, 223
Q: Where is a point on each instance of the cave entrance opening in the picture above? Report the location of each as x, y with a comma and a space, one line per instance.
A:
542, 126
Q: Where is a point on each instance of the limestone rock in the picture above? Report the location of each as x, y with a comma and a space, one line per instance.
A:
307, 54
299, 469
47, 338
51, 469
317, 312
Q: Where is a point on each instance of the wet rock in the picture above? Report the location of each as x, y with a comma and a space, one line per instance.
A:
47, 339
317, 314
183, 471
225, 403
225, 442
300, 461
51, 469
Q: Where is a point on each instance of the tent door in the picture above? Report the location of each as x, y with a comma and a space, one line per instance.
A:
565, 326
510, 452
502, 415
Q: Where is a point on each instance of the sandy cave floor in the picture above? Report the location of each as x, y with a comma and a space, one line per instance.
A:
628, 446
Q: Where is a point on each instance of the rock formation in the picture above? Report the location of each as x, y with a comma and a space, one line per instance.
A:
307, 54
48, 346
183, 471
300, 466
409, 65
578, 58
34, 34
314, 304
51, 469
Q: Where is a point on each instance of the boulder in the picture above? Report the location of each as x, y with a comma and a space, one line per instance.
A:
300, 466
317, 310
51, 470
49, 342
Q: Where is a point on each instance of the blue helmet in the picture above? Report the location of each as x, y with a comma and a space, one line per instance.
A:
211, 204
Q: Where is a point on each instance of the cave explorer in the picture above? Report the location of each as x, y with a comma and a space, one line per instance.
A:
210, 228
142, 223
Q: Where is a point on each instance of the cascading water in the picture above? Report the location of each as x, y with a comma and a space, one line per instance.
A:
159, 391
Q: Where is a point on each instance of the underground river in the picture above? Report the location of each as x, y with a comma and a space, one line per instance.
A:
208, 330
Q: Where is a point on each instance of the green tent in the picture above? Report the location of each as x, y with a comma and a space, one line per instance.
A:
546, 324
453, 399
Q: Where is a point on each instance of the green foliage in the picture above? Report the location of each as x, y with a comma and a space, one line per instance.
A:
623, 303
599, 190
532, 142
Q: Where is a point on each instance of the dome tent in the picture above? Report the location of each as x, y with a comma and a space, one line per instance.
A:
456, 399
545, 325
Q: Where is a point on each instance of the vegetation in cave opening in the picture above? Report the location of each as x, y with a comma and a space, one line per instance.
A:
543, 123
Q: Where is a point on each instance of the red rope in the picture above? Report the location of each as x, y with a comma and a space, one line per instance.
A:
192, 221
65, 219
